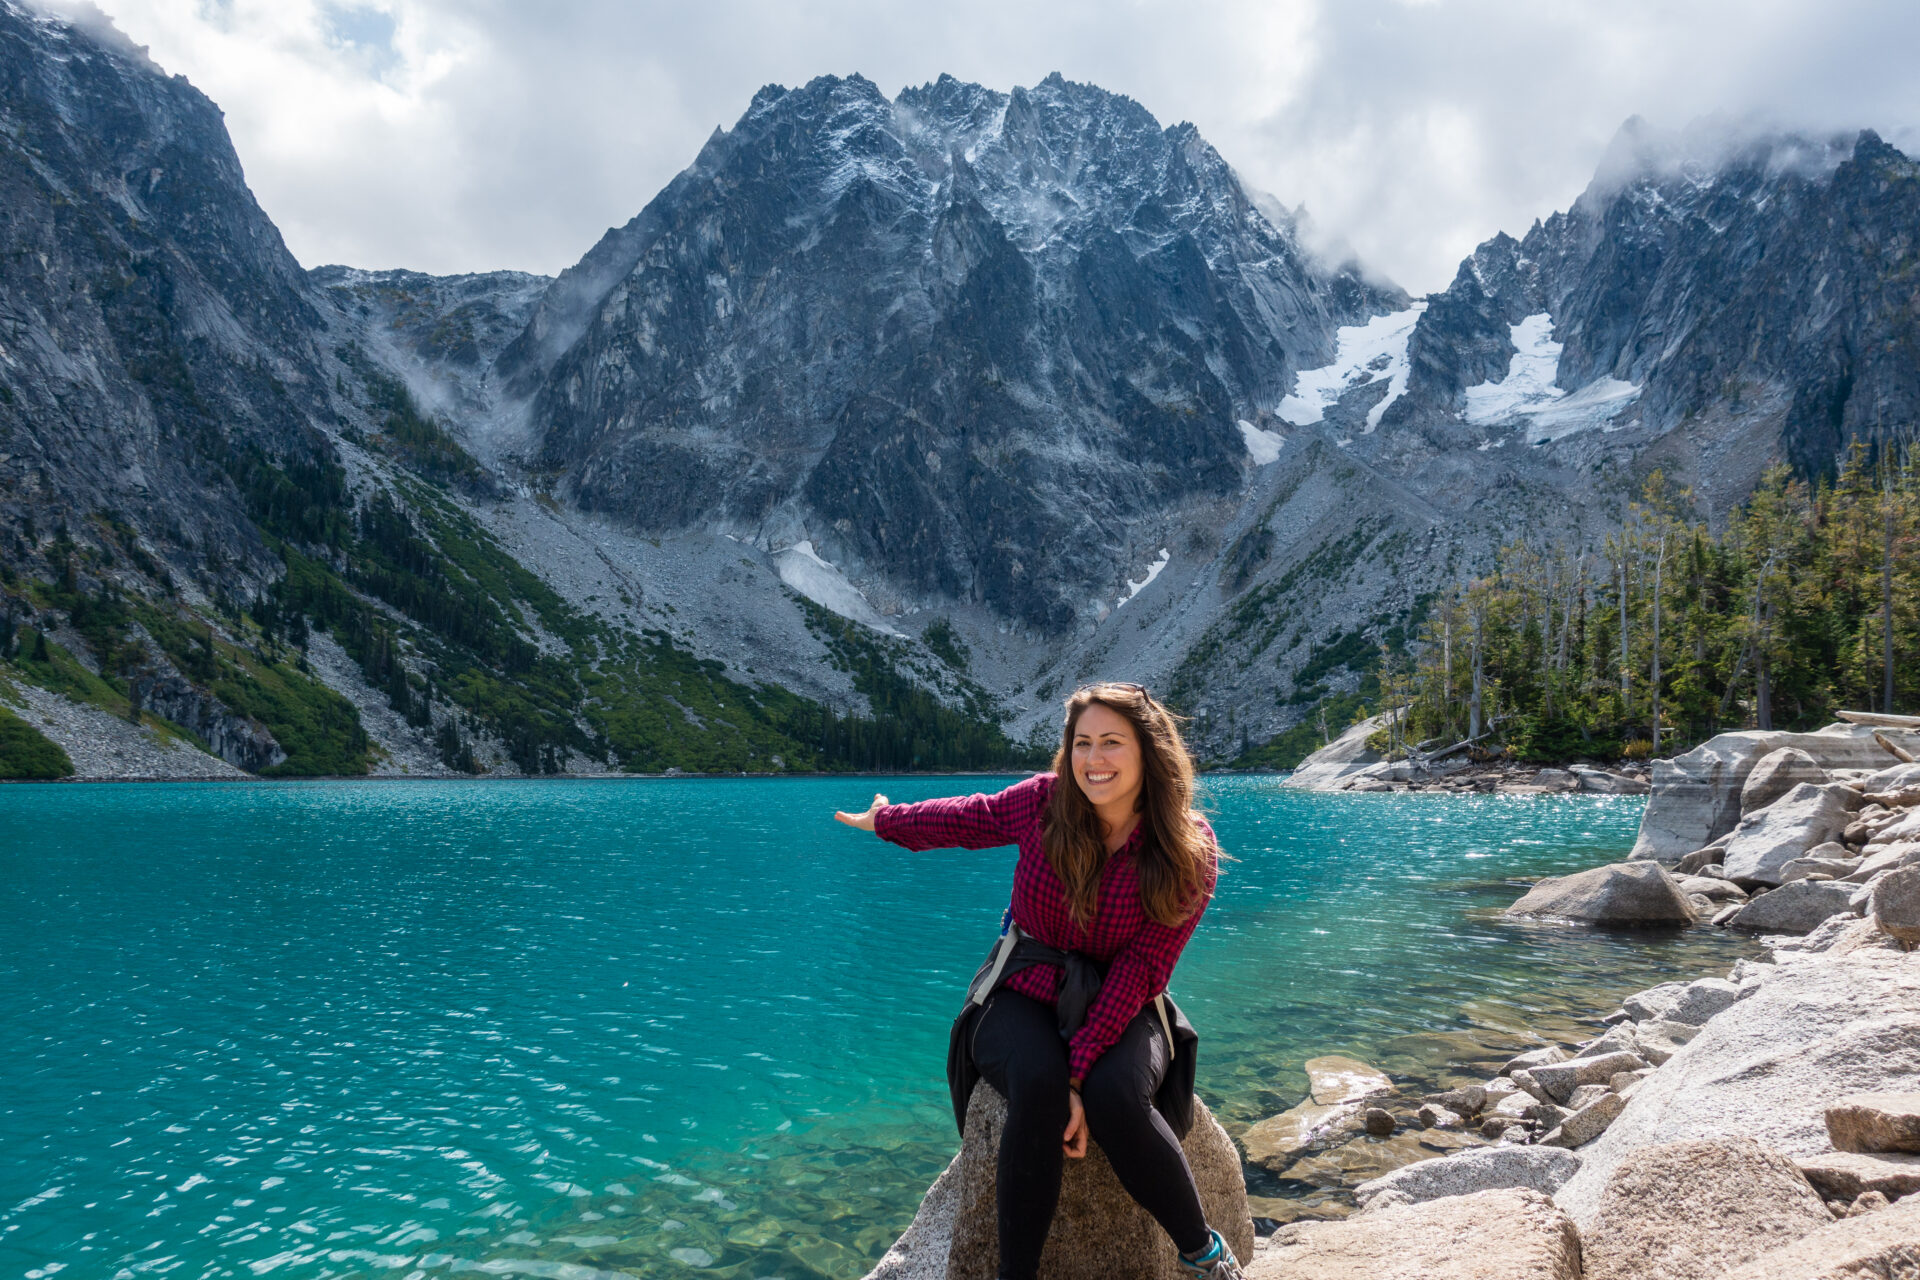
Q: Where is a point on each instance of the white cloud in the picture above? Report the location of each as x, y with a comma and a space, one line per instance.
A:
456, 135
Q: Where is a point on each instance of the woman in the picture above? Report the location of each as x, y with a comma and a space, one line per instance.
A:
1115, 869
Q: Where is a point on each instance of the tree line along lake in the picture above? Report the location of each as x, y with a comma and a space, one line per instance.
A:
581, 1029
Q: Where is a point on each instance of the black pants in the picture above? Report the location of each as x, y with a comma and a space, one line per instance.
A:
1018, 1048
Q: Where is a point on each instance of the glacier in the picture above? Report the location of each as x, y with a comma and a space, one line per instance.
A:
1366, 354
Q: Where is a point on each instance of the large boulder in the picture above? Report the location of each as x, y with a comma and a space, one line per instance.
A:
1768, 839
1691, 1210
1542, 1169
1696, 796
1511, 1234
1099, 1231
1874, 1246
1621, 893
1813, 1031
1799, 907
1340, 759
1777, 773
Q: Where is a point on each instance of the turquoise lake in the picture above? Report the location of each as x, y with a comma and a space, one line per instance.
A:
656, 1028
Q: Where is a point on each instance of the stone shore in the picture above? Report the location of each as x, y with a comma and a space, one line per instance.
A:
1763, 1123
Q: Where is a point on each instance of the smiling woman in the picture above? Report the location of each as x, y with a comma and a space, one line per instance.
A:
1069, 1023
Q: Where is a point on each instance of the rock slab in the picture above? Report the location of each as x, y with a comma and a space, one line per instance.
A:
1847, 1175
1621, 893
1694, 1209
1875, 1246
1511, 1234
1542, 1169
1896, 904
1815, 1031
1333, 1079
1099, 1231
1777, 773
1875, 1122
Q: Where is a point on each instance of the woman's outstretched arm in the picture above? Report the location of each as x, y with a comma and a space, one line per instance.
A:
966, 822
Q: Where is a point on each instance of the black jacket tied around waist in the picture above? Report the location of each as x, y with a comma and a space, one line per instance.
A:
1080, 984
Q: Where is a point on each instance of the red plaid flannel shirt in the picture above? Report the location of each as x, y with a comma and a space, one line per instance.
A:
1139, 951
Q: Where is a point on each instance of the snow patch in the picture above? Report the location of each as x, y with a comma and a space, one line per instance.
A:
1153, 571
1528, 394
1262, 446
1367, 353
801, 568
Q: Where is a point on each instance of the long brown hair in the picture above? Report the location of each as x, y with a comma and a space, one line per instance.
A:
1175, 859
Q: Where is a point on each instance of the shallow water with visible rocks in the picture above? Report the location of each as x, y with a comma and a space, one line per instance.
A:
584, 1029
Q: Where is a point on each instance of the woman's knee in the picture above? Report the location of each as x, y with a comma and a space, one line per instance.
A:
1114, 1098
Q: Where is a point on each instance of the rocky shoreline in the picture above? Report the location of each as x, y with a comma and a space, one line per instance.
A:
1762, 1124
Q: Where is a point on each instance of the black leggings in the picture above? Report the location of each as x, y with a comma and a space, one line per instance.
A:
1018, 1049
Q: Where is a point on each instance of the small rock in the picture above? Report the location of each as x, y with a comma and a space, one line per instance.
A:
1896, 904
1726, 914
1867, 1202
1495, 1125
1713, 887
1890, 858
1617, 1017
1433, 1117
1844, 1175
1546, 1115
1589, 1093
1618, 1040
1559, 1080
1535, 1058
1799, 907
1470, 1100
1377, 1122
1812, 868
1698, 1001
1333, 1079
1875, 1122
1622, 1082
1588, 1123
1653, 1002
1659, 1041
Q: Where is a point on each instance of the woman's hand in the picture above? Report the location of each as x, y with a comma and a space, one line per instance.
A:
864, 821
1075, 1141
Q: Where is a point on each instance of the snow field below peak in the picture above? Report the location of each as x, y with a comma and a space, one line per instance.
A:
1153, 571
1528, 393
1367, 353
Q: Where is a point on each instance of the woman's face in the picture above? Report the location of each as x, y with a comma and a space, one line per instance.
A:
1106, 757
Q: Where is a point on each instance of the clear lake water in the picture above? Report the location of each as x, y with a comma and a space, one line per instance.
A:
586, 1029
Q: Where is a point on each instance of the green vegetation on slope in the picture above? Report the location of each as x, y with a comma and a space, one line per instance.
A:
1806, 602
26, 753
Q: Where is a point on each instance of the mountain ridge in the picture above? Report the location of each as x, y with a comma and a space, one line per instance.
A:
1031, 387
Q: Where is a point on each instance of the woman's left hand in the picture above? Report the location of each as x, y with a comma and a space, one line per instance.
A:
1075, 1141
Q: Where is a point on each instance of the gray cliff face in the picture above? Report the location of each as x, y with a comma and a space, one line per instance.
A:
153, 320
1756, 295
961, 340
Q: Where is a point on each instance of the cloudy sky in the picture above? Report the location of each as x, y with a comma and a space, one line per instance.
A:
463, 135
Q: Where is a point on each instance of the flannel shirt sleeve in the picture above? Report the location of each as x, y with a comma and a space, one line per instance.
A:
1139, 973
966, 822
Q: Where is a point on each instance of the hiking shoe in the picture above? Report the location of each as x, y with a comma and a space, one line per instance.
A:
1217, 1263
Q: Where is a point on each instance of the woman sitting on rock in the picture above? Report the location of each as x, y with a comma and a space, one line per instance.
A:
1115, 869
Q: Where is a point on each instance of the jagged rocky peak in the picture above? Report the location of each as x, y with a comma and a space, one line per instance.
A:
1717, 282
960, 341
